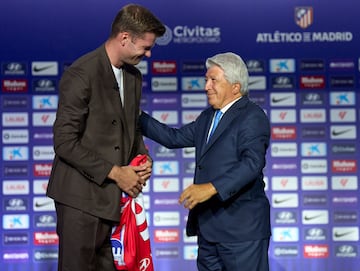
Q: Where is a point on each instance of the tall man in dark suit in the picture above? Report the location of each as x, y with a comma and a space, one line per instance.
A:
95, 138
229, 211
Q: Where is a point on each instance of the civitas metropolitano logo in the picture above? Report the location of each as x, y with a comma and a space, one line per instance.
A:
186, 34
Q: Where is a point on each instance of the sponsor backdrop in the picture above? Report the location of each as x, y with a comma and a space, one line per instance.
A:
303, 60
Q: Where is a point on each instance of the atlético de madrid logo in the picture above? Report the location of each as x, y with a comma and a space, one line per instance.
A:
304, 16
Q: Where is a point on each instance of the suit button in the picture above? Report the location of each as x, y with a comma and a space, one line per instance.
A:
199, 167
117, 148
114, 122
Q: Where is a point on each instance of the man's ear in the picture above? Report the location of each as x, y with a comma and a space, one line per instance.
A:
122, 37
236, 88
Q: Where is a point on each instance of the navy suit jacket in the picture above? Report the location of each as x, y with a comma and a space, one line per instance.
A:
233, 161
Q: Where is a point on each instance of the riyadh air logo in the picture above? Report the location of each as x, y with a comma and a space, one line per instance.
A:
304, 16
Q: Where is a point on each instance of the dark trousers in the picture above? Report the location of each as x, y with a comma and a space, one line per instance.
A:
241, 256
84, 241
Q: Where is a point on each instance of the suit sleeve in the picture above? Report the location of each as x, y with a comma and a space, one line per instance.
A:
251, 145
71, 119
169, 137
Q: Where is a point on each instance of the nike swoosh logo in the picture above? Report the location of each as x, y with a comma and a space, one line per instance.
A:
38, 204
275, 100
312, 217
277, 201
186, 151
342, 234
39, 69
254, 82
336, 133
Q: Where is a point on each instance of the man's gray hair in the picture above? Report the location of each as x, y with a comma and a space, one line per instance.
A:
235, 70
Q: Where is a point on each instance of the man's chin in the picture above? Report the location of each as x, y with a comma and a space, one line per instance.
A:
210, 99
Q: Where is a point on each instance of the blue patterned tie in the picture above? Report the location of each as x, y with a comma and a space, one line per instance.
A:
218, 114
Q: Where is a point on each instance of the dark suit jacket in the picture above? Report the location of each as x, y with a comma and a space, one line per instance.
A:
232, 161
92, 132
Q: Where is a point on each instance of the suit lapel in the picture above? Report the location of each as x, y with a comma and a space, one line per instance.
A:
204, 126
115, 100
129, 108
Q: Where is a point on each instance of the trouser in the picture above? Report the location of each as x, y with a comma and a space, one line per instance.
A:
84, 241
237, 256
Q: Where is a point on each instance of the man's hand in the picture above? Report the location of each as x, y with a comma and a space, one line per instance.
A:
128, 179
196, 193
145, 173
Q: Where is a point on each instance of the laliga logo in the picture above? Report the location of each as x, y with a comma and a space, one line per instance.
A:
144, 264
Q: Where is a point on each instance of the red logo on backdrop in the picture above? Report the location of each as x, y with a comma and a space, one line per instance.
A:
166, 236
316, 251
14, 85
283, 132
163, 67
304, 16
311, 82
42, 170
46, 238
344, 166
